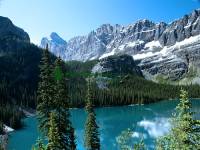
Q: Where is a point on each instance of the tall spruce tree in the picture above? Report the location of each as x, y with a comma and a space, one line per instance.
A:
72, 139
92, 141
54, 137
185, 131
61, 106
45, 92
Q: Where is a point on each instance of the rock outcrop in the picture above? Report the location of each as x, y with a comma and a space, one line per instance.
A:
123, 64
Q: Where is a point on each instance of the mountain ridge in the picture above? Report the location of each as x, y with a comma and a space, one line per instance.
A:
164, 50
9, 30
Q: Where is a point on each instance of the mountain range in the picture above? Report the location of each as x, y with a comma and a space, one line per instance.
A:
164, 52
120, 58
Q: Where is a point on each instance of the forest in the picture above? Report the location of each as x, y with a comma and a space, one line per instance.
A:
53, 116
20, 75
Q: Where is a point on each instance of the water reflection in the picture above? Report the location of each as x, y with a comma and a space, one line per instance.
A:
147, 121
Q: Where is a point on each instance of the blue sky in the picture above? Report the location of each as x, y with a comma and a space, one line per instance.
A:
70, 18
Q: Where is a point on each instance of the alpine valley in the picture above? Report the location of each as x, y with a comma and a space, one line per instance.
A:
141, 63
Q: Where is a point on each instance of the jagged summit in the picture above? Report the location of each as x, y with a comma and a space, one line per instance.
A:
160, 47
56, 38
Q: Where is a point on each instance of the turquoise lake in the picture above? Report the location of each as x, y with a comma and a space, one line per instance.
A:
147, 121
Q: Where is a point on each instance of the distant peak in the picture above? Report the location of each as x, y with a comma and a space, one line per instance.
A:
56, 38
54, 35
144, 21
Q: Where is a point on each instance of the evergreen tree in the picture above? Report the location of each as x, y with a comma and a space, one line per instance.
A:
61, 108
184, 134
1, 127
54, 138
124, 141
72, 139
39, 145
92, 141
45, 92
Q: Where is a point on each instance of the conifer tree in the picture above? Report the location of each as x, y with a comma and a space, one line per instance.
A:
45, 92
92, 141
184, 134
54, 138
1, 128
124, 141
61, 108
72, 139
39, 145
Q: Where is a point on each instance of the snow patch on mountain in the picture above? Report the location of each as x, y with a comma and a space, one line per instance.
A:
161, 48
135, 43
165, 51
153, 44
143, 55
108, 54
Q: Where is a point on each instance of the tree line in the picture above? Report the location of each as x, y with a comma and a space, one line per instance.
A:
19, 81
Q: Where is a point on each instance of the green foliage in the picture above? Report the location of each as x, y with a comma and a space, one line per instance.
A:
72, 139
192, 72
19, 75
54, 138
124, 141
19, 72
11, 116
45, 92
185, 132
61, 108
53, 106
39, 145
140, 146
121, 89
91, 140
58, 73
162, 79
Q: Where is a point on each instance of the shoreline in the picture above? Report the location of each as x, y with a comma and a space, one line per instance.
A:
4, 137
4, 140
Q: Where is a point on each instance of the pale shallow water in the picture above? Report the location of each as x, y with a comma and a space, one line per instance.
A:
147, 121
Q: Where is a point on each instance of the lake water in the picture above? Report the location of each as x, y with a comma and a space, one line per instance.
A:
147, 121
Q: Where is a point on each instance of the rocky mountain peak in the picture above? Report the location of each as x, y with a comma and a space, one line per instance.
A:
141, 25
9, 31
160, 48
57, 39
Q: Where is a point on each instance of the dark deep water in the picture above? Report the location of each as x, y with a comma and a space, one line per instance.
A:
147, 121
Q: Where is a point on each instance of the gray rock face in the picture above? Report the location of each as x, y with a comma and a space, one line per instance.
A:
56, 44
123, 64
9, 31
161, 48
